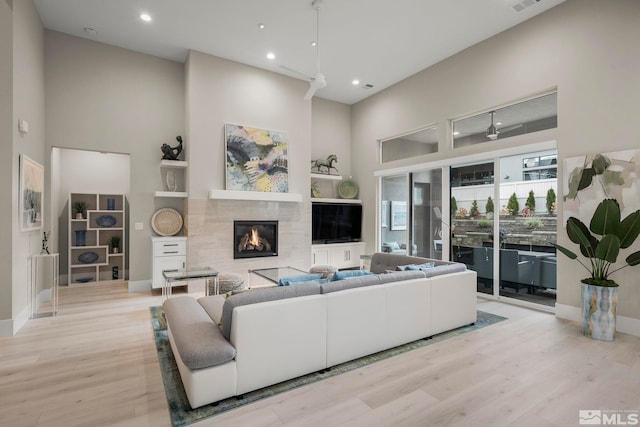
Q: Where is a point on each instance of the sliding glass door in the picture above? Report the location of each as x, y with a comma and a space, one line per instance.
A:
507, 207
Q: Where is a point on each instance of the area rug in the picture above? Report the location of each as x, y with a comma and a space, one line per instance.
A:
182, 414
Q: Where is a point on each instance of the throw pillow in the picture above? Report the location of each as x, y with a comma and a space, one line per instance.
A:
348, 274
288, 281
425, 266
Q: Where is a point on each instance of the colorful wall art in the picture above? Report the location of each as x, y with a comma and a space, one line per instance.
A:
256, 159
31, 194
595, 177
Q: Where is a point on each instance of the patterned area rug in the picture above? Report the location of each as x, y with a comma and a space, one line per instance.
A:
182, 414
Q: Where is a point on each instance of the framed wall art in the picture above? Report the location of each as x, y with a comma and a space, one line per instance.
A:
31, 194
398, 215
384, 214
256, 159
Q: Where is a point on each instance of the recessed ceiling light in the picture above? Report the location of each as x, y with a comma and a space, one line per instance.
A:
314, 44
261, 26
355, 82
271, 55
145, 17
90, 31
456, 133
498, 123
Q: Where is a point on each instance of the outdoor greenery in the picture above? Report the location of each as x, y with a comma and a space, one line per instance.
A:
534, 223
602, 253
512, 205
531, 201
489, 206
474, 209
551, 201
485, 223
454, 207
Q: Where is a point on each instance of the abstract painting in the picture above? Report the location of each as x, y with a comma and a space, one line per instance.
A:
31, 194
398, 215
256, 159
595, 177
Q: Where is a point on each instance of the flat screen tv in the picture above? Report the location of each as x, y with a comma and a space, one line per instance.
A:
336, 222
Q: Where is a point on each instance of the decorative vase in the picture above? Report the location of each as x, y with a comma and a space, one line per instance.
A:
111, 204
172, 184
81, 237
79, 215
114, 273
115, 250
599, 311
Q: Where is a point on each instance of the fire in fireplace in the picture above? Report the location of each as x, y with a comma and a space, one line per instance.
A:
255, 239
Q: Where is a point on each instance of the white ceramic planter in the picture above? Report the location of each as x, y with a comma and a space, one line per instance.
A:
599, 311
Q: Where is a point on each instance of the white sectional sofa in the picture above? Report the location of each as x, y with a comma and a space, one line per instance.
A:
273, 334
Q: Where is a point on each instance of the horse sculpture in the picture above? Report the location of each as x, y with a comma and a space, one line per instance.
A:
328, 163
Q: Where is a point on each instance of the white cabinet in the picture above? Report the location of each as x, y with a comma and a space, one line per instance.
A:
169, 253
340, 255
174, 178
97, 238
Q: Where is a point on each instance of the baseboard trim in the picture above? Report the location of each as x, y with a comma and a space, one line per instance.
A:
139, 286
624, 324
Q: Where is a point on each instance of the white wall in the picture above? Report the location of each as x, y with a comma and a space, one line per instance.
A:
588, 49
28, 104
105, 98
7, 180
221, 91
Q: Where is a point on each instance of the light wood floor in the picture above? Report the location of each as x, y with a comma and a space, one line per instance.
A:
95, 364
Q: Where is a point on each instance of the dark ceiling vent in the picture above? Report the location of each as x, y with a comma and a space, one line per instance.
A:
367, 86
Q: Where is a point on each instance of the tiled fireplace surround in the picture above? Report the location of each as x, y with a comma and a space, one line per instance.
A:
209, 228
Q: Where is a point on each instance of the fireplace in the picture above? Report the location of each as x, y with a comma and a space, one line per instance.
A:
255, 239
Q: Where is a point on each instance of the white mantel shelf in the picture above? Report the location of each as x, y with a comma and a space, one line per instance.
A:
254, 195
326, 176
325, 200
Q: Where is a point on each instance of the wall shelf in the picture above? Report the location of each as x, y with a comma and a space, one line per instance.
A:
326, 200
176, 194
326, 176
254, 195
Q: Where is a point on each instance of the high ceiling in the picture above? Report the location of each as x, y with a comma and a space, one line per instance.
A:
378, 42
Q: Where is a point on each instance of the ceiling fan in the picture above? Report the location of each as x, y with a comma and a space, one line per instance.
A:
492, 131
318, 81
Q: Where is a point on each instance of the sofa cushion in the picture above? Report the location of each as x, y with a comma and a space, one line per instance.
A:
288, 281
397, 276
212, 304
424, 266
196, 336
438, 270
354, 282
380, 262
349, 274
326, 270
256, 296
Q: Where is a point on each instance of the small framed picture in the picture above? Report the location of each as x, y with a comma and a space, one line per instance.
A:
398, 215
31, 194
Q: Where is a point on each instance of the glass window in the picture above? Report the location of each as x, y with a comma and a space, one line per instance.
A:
521, 118
424, 141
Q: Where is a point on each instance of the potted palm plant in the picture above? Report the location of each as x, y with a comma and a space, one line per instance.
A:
599, 292
114, 242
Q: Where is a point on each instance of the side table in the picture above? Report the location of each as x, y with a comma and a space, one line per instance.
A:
171, 276
44, 281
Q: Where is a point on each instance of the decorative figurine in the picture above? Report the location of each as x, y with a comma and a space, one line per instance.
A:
45, 248
328, 163
172, 153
